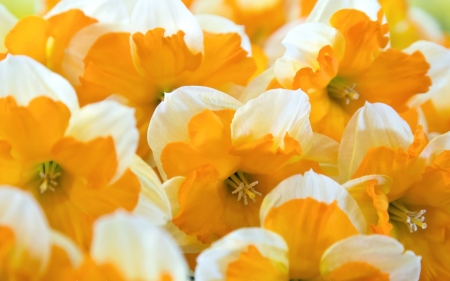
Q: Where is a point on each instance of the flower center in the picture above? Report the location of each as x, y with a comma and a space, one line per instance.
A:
49, 172
398, 212
242, 187
338, 89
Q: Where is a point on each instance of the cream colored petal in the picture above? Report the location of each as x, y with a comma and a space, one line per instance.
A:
213, 7
212, 264
171, 117
273, 47
187, 243
324, 9
138, 249
275, 112
108, 118
74, 253
439, 59
22, 214
7, 22
358, 190
379, 251
435, 147
303, 44
257, 86
324, 151
172, 15
220, 25
76, 51
318, 187
105, 11
153, 202
25, 79
371, 126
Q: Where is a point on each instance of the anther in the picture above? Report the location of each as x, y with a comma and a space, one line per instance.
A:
242, 188
338, 89
413, 219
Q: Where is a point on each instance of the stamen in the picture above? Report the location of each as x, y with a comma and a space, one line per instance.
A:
49, 172
338, 89
242, 187
399, 212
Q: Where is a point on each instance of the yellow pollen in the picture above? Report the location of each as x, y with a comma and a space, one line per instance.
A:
338, 89
398, 212
49, 173
242, 187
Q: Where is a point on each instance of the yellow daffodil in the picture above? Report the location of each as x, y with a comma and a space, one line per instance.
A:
295, 203
223, 157
76, 162
259, 254
415, 207
155, 47
45, 38
340, 58
29, 249
128, 248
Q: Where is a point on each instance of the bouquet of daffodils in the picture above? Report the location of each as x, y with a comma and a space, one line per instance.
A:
208, 140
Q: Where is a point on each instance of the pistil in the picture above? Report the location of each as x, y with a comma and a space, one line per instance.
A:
49, 172
340, 90
242, 187
398, 212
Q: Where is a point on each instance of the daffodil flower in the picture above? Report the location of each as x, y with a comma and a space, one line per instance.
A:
222, 157
290, 246
414, 206
45, 38
153, 47
341, 58
29, 248
127, 247
76, 162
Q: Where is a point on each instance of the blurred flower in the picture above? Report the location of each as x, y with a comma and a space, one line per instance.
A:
126, 247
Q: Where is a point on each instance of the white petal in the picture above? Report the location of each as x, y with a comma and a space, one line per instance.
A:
25, 79
382, 252
439, 59
79, 46
435, 147
187, 243
318, 187
22, 214
303, 44
275, 112
324, 9
212, 264
171, 117
7, 22
136, 248
220, 25
153, 202
74, 253
324, 151
105, 11
108, 118
273, 47
172, 15
371, 126
258, 85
